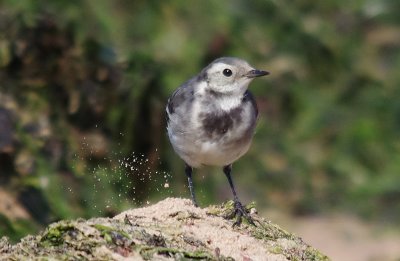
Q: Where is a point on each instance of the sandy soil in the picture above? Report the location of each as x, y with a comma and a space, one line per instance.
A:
204, 228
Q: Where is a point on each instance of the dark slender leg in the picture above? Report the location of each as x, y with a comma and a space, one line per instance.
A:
188, 172
227, 170
239, 211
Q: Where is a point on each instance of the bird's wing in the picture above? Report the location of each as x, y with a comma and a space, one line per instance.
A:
172, 101
180, 97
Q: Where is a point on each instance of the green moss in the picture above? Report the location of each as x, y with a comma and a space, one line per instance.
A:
314, 255
55, 235
276, 250
102, 228
111, 235
268, 231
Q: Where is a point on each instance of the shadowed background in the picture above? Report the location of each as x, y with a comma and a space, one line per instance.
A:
83, 86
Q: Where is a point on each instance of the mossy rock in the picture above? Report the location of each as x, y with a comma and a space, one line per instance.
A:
172, 229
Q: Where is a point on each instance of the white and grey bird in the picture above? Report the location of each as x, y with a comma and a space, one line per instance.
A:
212, 117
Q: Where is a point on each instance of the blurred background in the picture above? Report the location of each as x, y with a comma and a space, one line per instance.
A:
83, 87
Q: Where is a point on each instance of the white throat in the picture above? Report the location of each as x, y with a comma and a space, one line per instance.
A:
227, 103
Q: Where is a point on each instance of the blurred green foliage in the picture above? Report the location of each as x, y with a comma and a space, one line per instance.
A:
83, 85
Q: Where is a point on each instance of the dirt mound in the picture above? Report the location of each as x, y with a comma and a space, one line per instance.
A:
172, 229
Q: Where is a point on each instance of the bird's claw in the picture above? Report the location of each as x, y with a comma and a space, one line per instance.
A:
239, 211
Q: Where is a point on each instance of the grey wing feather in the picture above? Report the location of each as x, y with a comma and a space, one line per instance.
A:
181, 96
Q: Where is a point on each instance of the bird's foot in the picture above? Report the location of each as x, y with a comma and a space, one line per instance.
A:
239, 211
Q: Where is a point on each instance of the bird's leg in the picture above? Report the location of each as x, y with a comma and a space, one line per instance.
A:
188, 172
239, 210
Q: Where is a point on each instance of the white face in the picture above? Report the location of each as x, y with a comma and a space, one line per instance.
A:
227, 78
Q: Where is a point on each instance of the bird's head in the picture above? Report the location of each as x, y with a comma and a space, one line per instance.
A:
228, 75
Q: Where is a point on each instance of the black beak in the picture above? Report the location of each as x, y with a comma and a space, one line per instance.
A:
256, 73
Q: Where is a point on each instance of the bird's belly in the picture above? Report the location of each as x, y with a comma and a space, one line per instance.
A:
218, 153
196, 151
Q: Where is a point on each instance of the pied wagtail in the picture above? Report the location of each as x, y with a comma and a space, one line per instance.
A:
212, 117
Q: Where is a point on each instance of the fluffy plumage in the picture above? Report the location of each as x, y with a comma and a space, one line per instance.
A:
212, 117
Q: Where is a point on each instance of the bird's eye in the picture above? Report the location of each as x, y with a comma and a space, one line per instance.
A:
227, 72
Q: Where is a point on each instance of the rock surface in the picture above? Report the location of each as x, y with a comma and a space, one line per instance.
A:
172, 229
